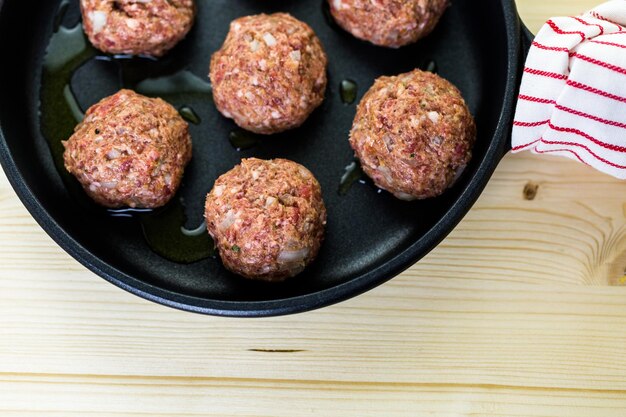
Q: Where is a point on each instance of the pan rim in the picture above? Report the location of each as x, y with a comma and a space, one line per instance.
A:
306, 302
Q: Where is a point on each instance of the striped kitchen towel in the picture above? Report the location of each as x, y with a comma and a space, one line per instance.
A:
572, 99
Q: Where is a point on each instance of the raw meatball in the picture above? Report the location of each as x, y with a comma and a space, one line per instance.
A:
270, 73
137, 27
267, 218
130, 150
391, 23
413, 134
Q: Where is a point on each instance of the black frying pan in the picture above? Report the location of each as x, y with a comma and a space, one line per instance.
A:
371, 236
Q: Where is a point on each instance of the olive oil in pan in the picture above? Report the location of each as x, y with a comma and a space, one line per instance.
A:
352, 173
60, 14
165, 233
179, 86
129, 67
176, 85
430, 66
198, 231
189, 115
348, 91
59, 111
67, 51
243, 140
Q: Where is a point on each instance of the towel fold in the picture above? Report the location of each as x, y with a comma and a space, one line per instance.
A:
572, 99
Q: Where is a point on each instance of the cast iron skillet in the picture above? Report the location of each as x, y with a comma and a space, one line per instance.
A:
371, 236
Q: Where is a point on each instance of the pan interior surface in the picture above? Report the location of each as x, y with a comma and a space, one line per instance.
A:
367, 229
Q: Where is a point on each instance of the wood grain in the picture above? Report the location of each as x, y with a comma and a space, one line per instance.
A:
521, 311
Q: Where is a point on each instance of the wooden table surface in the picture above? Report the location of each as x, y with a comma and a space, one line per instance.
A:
521, 311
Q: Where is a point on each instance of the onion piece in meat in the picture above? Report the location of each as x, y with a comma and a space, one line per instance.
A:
229, 220
293, 256
404, 196
114, 154
109, 184
98, 21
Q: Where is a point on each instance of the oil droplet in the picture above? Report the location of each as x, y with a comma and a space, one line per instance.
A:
242, 139
348, 91
166, 235
353, 173
189, 114
431, 66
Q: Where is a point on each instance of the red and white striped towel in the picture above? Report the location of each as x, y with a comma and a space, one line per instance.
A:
572, 99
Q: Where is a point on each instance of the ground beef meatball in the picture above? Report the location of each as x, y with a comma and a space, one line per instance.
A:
391, 23
137, 27
267, 218
270, 74
130, 150
413, 134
